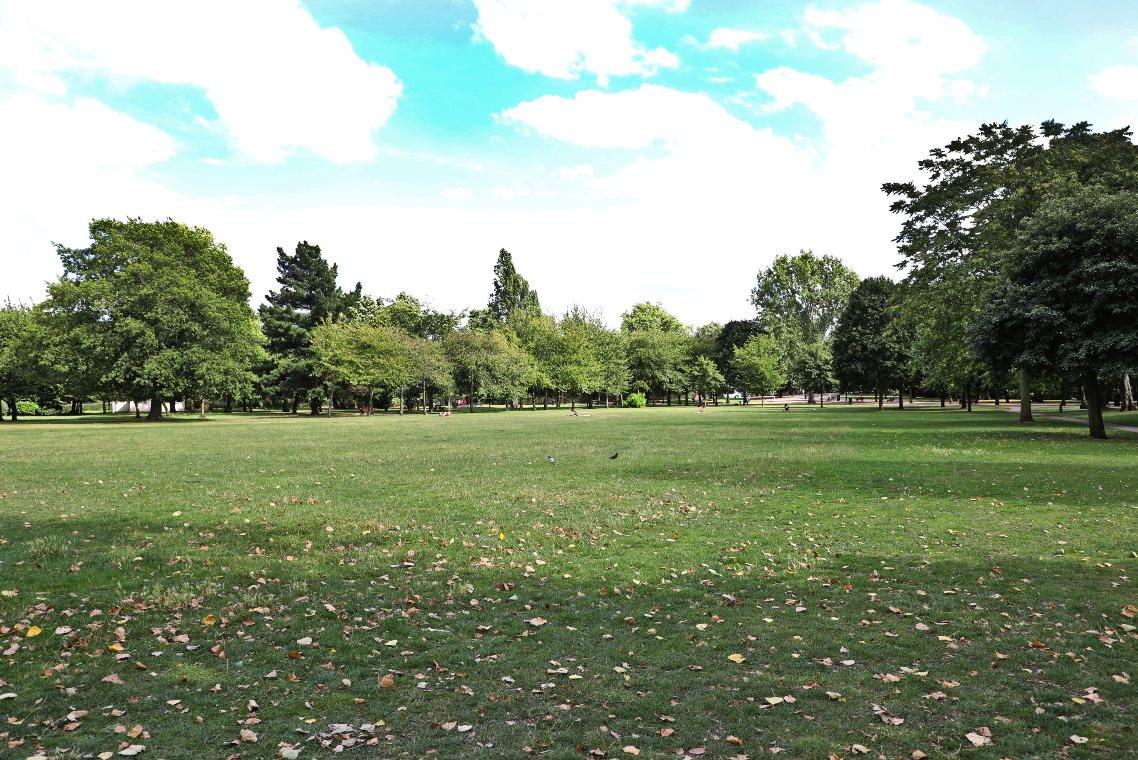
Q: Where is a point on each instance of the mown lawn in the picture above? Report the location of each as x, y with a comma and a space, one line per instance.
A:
824, 583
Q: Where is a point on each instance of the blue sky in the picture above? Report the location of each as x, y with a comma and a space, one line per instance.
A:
624, 150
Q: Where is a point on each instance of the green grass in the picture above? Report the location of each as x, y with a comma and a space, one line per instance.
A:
958, 570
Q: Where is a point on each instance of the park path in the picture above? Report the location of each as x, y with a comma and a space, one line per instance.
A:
1078, 421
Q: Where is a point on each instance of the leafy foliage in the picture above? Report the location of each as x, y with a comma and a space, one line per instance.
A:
162, 308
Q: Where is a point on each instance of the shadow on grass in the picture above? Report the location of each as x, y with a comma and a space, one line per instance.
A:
617, 648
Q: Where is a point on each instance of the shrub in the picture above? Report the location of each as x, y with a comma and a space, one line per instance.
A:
636, 401
27, 408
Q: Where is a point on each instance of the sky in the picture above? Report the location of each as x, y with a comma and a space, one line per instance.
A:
622, 150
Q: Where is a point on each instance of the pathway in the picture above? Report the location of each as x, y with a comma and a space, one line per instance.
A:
1077, 420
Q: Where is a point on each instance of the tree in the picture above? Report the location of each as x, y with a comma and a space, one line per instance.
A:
757, 367
162, 304
579, 371
308, 296
734, 334
612, 355
705, 378
512, 296
429, 369
812, 370
22, 361
650, 316
369, 354
961, 225
1074, 270
657, 359
490, 364
799, 298
869, 343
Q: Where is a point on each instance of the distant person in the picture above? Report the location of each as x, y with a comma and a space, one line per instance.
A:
786, 407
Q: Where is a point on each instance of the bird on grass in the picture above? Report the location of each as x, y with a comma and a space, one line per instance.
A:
551, 460
614, 456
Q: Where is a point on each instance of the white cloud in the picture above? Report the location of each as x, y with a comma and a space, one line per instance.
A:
277, 80
668, 193
876, 123
64, 164
458, 194
565, 38
900, 34
1117, 82
703, 188
733, 39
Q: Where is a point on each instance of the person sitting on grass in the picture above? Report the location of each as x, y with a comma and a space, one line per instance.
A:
786, 407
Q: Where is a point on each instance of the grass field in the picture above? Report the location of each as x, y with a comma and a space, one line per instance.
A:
747, 582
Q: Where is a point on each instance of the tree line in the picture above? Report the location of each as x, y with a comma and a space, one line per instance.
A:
1019, 261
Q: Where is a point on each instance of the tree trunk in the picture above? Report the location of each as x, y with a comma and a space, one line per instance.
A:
12, 411
968, 396
943, 400
401, 402
1127, 394
331, 400
201, 412
1025, 395
900, 398
1094, 404
880, 397
155, 412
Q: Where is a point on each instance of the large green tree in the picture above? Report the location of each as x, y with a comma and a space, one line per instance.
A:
757, 367
1074, 273
161, 306
512, 296
799, 298
308, 295
734, 334
868, 345
24, 366
961, 225
490, 364
369, 354
650, 316
659, 348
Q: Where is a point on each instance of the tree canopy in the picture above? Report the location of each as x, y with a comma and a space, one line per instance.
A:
162, 308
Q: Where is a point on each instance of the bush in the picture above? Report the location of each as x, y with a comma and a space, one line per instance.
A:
27, 408
636, 401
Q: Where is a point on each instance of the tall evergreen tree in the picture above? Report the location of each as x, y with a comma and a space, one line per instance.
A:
308, 295
512, 294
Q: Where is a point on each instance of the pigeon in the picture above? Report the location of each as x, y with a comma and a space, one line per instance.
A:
614, 456
551, 460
